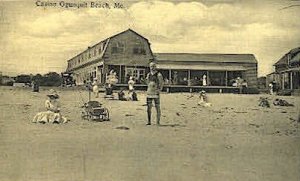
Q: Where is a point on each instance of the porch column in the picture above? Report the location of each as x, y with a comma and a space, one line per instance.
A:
207, 78
170, 75
120, 75
291, 80
105, 71
189, 77
226, 77
283, 81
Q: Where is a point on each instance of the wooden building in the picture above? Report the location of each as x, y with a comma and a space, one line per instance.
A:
127, 53
287, 71
218, 69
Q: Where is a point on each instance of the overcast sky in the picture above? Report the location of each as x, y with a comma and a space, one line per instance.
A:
39, 40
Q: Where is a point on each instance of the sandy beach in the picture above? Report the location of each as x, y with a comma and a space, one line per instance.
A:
235, 139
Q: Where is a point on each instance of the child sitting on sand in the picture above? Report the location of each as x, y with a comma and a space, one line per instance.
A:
203, 100
121, 95
52, 115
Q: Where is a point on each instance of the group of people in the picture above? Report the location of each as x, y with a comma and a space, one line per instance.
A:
132, 95
155, 83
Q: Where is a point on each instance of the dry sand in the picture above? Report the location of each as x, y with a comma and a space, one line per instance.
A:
232, 140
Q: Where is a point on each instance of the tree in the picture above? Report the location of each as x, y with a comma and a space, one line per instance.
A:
23, 79
51, 79
38, 78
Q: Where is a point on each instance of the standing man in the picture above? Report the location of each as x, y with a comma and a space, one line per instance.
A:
155, 82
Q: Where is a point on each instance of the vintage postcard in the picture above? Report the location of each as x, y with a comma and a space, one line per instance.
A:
102, 90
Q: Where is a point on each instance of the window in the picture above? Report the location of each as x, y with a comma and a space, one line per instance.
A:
139, 51
118, 47
137, 73
217, 78
114, 50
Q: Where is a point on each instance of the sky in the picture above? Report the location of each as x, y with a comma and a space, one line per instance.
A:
35, 39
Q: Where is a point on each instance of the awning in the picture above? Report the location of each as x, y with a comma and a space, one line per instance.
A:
128, 62
295, 69
201, 67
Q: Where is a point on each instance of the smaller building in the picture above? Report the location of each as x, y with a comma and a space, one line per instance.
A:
224, 70
287, 71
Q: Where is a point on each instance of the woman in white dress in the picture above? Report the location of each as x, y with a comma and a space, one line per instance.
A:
204, 83
52, 115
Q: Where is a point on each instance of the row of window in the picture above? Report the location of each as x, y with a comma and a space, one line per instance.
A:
117, 48
91, 52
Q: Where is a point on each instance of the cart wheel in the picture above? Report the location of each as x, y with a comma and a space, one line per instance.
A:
83, 115
106, 114
89, 117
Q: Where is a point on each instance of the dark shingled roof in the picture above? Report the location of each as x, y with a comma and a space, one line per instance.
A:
284, 59
195, 57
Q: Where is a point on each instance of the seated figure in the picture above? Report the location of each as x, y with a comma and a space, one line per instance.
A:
121, 96
203, 100
52, 113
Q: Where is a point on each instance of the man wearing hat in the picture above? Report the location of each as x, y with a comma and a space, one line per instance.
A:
155, 82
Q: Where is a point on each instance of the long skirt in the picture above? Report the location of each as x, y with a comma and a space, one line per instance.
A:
49, 117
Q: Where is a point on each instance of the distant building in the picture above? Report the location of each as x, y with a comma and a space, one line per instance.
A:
287, 70
128, 54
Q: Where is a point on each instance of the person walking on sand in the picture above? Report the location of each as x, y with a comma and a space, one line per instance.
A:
154, 82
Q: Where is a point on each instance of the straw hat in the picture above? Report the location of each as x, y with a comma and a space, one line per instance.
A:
53, 93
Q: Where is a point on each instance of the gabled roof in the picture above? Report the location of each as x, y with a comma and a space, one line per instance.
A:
105, 41
195, 57
128, 30
284, 60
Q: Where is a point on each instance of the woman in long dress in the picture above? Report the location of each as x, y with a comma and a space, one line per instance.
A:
52, 113
204, 82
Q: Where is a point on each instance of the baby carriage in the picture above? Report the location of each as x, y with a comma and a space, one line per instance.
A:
93, 111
